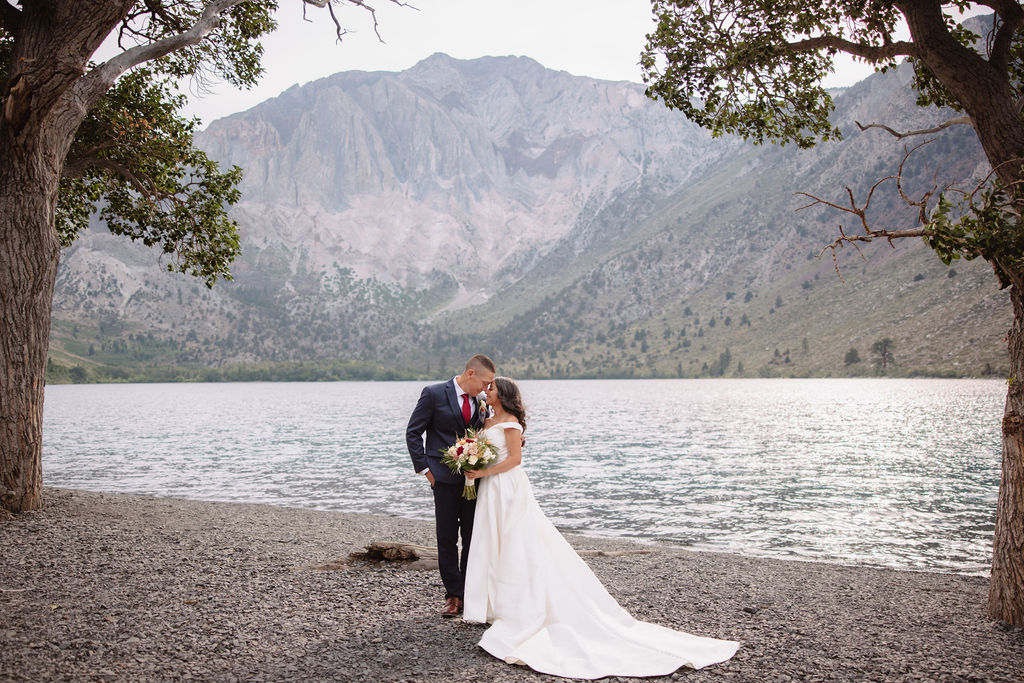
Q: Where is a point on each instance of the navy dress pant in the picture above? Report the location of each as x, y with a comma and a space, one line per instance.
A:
454, 517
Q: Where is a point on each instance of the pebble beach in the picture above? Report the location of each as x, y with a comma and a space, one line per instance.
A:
114, 587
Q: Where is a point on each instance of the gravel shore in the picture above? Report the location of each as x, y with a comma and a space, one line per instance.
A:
126, 588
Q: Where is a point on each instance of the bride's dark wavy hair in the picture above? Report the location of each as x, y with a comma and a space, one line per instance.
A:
511, 399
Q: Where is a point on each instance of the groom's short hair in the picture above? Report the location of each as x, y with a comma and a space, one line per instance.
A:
481, 362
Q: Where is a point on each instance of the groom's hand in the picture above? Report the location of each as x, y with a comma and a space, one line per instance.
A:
430, 477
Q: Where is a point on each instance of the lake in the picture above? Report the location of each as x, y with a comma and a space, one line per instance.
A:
877, 472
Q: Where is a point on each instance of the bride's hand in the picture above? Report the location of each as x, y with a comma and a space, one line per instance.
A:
473, 474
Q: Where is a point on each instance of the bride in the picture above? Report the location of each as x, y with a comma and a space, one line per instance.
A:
545, 606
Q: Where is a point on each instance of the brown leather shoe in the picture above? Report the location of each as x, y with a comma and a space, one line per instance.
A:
452, 607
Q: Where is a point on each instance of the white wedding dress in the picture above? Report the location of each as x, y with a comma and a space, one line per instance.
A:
545, 606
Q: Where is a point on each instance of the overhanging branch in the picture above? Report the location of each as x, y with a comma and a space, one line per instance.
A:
145, 189
890, 235
870, 233
957, 121
76, 167
97, 81
872, 53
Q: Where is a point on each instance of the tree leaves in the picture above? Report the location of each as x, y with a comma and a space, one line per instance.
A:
133, 159
232, 52
988, 227
755, 68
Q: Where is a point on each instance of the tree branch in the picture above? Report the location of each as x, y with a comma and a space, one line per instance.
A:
77, 167
889, 235
339, 29
1003, 8
922, 203
10, 16
156, 8
1005, 23
74, 168
872, 53
103, 76
959, 120
870, 234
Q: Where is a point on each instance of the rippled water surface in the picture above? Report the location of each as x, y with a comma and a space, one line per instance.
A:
899, 473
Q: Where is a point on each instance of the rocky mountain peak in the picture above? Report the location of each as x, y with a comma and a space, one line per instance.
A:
605, 233
470, 153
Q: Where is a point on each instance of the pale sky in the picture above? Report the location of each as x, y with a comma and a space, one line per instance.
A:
597, 38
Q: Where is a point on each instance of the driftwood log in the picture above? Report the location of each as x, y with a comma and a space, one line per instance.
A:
412, 556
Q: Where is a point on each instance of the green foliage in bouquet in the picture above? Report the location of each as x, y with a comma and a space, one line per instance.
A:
471, 452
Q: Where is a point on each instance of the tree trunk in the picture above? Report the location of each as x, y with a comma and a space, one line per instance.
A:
1006, 587
41, 110
29, 251
984, 91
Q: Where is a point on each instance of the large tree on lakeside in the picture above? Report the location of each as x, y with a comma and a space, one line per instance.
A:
77, 135
754, 67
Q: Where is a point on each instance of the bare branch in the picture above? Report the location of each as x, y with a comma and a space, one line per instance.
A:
957, 121
839, 244
858, 211
922, 203
99, 79
342, 31
339, 29
10, 16
843, 238
870, 233
985, 181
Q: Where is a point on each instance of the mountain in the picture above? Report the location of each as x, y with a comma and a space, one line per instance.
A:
567, 225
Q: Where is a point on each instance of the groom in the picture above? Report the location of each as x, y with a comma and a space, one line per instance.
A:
443, 413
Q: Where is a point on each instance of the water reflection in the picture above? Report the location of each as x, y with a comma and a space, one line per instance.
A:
899, 473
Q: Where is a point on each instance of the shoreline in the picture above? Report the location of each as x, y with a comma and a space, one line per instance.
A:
582, 378
110, 586
595, 535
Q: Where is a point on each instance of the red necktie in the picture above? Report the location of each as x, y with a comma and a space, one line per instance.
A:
466, 411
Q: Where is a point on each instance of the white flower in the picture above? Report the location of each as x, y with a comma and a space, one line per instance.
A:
473, 459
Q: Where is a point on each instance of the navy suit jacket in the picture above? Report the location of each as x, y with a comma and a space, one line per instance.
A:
438, 415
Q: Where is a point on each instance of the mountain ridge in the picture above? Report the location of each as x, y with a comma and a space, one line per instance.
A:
533, 211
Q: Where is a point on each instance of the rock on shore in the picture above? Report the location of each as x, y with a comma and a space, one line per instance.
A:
125, 588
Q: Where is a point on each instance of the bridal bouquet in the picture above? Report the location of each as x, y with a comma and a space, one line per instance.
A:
471, 452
